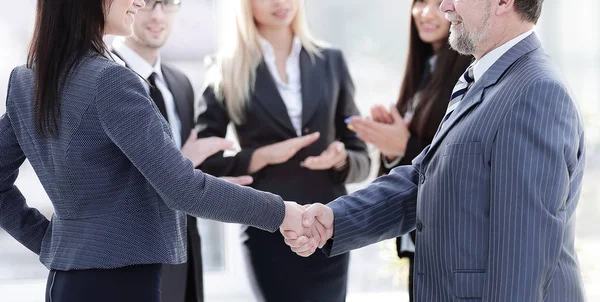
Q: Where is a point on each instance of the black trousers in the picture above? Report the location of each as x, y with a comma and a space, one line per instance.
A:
411, 263
183, 282
137, 283
411, 270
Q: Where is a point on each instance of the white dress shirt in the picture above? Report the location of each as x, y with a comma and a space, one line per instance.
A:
482, 65
140, 66
290, 92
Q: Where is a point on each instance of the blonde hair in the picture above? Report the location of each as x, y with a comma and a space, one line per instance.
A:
234, 74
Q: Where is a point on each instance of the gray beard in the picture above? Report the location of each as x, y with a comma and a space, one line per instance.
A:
465, 42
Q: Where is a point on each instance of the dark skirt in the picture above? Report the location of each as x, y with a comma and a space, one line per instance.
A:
278, 274
137, 283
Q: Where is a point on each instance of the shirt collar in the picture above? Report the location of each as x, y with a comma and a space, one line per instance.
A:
269, 52
483, 64
135, 62
115, 58
432, 62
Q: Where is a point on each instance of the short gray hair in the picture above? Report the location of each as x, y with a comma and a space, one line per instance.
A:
530, 10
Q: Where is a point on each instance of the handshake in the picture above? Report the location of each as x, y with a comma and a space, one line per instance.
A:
306, 228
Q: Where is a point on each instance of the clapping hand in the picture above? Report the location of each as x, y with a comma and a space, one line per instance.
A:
333, 156
311, 231
387, 131
281, 152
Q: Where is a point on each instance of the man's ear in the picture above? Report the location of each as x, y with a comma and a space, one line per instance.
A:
503, 7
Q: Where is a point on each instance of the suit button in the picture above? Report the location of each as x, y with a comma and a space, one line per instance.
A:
422, 178
419, 225
306, 130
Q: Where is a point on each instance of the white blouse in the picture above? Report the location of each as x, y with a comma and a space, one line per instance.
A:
290, 92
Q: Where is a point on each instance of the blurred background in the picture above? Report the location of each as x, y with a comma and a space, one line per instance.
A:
373, 36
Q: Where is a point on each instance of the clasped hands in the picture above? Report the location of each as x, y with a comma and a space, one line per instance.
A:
306, 228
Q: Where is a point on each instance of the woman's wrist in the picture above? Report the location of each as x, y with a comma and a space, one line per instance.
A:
341, 165
257, 162
390, 162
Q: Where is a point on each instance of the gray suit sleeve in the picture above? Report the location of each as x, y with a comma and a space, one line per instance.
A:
27, 225
135, 126
383, 210
537, 155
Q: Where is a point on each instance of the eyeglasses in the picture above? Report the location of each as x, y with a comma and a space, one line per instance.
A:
168, 6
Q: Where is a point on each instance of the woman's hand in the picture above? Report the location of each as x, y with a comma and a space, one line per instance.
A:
389, 138
381, 115
281, 152
334, 156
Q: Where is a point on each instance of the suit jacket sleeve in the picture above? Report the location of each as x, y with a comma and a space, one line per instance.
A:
383, 210
538, 153
213, 122
27, 225
123, 105
359, 163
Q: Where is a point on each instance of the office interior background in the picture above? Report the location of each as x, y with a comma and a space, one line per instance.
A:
373, 35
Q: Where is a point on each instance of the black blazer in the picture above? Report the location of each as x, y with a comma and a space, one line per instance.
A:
183, 95
327, 99
177, 279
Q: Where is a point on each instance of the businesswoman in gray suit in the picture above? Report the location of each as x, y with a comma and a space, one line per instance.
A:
288, 97
119, 186
401, 133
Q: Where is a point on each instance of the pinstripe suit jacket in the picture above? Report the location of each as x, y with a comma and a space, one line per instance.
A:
118, 183
493, 197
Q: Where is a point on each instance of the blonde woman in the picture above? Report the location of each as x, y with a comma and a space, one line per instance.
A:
288, 96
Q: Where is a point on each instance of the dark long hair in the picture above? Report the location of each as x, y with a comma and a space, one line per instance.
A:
65, 31
435, 95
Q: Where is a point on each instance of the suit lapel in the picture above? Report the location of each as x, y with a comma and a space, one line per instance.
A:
268, 96
182, 105
475, 95
312, 79
471, 100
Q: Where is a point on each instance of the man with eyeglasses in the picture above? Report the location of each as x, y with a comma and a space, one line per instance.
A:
173, 94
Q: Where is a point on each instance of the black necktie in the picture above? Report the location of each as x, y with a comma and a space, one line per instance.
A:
157, 96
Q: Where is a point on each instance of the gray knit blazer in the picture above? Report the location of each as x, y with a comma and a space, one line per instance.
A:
118, 184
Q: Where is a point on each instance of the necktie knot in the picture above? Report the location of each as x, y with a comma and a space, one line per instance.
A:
469, 76
152, 78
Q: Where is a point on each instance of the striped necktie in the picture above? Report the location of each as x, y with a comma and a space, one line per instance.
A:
460, 89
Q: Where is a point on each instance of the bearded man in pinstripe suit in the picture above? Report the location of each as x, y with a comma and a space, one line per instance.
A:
493, 198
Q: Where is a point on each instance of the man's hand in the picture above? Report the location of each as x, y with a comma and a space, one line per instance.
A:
198, 150
333, 156
292, 227
240, 180
317, 221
